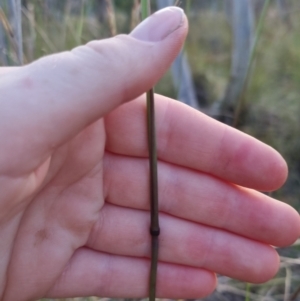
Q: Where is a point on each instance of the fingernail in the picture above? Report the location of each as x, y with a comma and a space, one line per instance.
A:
159, 25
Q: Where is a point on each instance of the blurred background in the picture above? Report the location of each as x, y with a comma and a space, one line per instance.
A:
240, 64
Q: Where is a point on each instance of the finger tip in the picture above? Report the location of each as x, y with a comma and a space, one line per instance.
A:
259, 264
272, 266
206, 285
271, 169
187, 282
291, 226
268, 270
278, 171
252, 163
161, 25
212, 283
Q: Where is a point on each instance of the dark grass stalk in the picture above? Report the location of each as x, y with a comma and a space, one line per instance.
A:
154, 227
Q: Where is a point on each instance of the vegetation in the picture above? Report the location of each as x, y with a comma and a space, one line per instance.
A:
271, 99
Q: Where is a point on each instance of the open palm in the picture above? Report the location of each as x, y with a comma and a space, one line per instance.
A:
74, 179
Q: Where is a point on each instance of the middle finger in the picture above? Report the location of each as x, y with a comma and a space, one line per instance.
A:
201, 198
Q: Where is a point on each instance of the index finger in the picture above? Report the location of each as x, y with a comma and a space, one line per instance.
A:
191, 139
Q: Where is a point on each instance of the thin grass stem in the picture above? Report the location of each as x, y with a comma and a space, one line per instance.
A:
154, 227
6, 24
81, 22
247, 297
135, 14
288, 283
111, 17
41, 32
31, 40
16, 17
10, 32
19, 35
145, 7
258, 33
188, 7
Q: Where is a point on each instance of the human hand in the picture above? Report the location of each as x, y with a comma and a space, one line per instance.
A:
74, 179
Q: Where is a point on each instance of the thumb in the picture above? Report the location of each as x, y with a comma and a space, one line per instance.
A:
49, 101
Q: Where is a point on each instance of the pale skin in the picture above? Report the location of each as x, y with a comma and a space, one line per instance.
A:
74, 179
